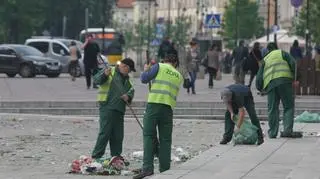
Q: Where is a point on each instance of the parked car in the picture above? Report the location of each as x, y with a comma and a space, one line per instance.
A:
57, 48
27, 62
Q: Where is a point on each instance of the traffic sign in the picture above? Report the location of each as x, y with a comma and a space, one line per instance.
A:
213, 21
275, 28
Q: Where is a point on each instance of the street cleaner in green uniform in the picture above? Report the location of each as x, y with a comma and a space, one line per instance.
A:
115, 90
237, 98
276, 78
166, 82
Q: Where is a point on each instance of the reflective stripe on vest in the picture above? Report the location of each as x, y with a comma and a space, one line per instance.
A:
275, 67
104, 89
165, 87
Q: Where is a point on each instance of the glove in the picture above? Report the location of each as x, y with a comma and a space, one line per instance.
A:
236, 129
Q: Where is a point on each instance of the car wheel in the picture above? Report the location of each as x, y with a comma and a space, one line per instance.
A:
53, 75
11, 75
26, 71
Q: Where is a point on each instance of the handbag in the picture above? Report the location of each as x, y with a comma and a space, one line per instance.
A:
204, 61
186, 83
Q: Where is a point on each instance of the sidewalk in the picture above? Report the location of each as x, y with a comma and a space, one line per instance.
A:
275, 159
63, 89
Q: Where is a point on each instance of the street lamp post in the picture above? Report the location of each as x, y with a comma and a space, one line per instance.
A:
237, 25
268, 21
275, 20
307, 28
169, 18
149, 33
103, 24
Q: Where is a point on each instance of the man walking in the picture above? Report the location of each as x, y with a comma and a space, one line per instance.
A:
237, 97
276, 78
91, 50
159, 112
239, 55
115, 91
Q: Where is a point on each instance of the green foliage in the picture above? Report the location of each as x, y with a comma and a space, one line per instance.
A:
179, 32
20, 19
314, 25
137, 39
249, 22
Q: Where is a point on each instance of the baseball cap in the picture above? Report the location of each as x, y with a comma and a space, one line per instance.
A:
226, 95
130, 63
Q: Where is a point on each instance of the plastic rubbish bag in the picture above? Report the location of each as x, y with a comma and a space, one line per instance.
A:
307, 117
247, 134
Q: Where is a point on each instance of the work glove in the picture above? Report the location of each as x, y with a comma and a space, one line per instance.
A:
125, 98
236, 129
107, 71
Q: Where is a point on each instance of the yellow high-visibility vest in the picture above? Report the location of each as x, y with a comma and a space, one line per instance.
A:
275, 67
166, 85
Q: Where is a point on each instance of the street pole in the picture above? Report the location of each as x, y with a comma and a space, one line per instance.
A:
149, 33
103, 25
268, 21
237, 26
275, 20
169, 18
64, 25
87, 19
307, 28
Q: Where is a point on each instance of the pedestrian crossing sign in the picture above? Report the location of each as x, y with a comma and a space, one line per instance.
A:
213, 21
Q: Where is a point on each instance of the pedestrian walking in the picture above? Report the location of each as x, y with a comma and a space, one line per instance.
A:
239, 55
159, 113
193, 60
254, 61
276, 78
213, 65
75, 55
115, 91
238, 98
91, 51
296, 51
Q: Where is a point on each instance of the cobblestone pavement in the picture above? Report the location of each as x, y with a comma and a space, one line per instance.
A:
63, 89
34, 146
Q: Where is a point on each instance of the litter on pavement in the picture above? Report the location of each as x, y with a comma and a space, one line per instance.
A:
104, 166
307, 117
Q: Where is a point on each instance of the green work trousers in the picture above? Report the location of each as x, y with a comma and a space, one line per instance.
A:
111, 129
283, 92
157, 116
229, 124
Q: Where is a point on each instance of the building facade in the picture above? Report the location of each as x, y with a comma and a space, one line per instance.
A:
286, 13
124, 13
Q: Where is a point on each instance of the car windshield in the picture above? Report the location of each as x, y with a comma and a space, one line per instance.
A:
68, 42
27, 51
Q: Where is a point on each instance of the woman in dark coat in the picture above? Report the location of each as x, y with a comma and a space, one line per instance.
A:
255, 58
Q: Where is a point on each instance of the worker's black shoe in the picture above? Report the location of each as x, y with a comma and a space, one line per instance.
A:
291, 135
137, 170
143, 174
260, 137
224, 141
260, 141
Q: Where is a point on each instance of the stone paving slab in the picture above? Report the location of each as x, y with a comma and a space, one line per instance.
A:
63, 89
275, 159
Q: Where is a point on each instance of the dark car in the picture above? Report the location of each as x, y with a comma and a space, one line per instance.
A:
27, 62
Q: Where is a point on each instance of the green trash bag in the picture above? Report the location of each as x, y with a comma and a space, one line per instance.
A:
307, 117
247, 135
